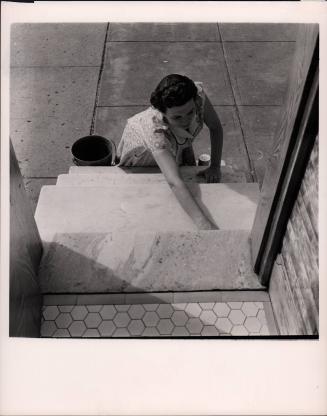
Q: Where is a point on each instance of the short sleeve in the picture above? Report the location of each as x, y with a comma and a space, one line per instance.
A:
201, 100
132, 134
131, 138
156, 141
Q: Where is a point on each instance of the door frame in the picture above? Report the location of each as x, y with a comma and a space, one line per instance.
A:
290, 154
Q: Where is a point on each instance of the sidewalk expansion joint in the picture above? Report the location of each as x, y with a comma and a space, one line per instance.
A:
252, 170
163, 41
99, 80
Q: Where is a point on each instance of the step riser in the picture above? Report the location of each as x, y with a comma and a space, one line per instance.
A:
105, 179
116, 170
148, 262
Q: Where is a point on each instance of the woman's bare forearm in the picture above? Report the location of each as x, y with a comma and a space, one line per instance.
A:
216, 139
171, 172
191, 207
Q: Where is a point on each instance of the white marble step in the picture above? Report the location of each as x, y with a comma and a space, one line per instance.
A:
104, 179
147, 262
151, 207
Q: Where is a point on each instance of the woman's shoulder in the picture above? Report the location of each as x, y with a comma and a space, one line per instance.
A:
147, 117
150, 126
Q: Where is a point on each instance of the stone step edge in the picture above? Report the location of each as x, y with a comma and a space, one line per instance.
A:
73, 170
156, 297
91, 178
163, 184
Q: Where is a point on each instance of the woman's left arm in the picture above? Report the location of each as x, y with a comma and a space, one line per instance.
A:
211, 119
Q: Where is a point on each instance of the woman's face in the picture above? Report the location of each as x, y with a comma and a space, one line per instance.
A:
181, 116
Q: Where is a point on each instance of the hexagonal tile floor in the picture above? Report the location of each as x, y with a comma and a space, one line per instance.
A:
225, 314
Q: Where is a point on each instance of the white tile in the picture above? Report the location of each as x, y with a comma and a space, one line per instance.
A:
180, 331
239, 330
136, 327
221, 309
108, 312
208, 317
179, 318
121, 332
250, 309
209, 331
193, 310
165, 326
106, 328
223, 325
252, 324
194, 326
150, 319
79, 313
77, 329
122, 319
93, 320
165, 310
136, 311
61, 333
150, 332
50, 313
91, 333
64, 320
236, 316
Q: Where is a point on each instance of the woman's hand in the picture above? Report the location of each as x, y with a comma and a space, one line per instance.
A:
169, 168
208, 225
212, 174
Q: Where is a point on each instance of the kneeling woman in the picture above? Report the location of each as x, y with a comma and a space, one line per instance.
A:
163, 135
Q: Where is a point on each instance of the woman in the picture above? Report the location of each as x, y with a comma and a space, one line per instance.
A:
163, 135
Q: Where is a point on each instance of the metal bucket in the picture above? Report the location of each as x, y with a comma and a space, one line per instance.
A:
94, 151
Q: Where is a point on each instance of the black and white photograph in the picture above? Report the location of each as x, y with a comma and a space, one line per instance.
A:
165, 177
164, 181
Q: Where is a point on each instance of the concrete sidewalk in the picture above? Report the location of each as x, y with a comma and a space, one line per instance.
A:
68, 80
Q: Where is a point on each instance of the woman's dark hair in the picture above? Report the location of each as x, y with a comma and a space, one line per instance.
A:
172, 91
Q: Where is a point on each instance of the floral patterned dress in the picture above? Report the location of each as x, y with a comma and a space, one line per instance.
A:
147, 132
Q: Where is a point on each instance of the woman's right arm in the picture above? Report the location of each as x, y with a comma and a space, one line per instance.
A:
169, 168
